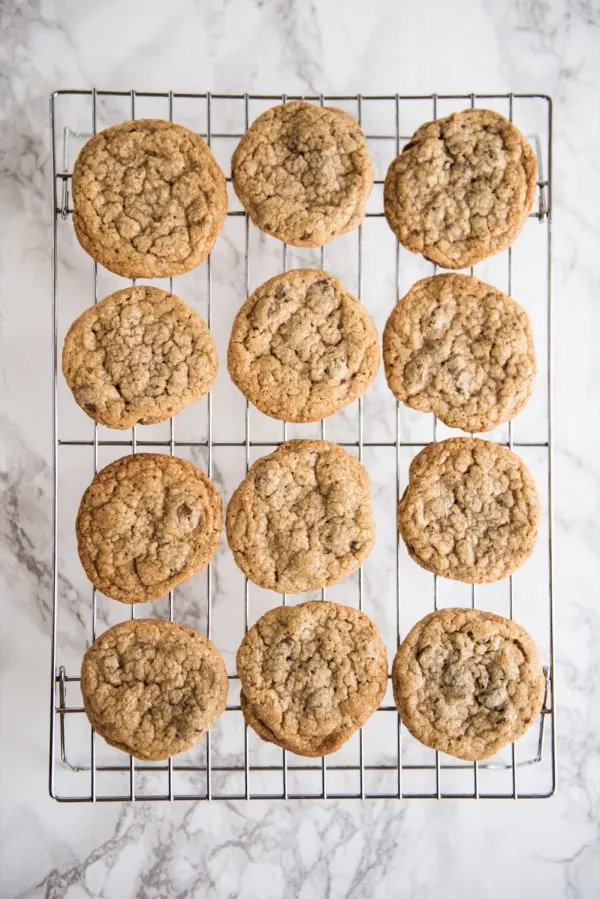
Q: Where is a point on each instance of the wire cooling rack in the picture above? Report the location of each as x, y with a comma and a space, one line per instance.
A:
224, 435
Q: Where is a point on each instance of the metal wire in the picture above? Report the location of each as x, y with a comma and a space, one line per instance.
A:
215, 774
246, 582
473, 589
398, 473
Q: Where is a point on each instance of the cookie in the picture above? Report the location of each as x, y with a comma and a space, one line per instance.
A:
302, 347
149, 199
468, 682
302, 517
138, 357
153, 688
461, 349
303, 173
146, 523
311, 675
461, 188
471, 510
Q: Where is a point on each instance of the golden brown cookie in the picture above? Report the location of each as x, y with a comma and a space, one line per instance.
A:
471, 510
303, 173
153, 688
138, 356
302, 517
461, 349
461, 188
468, 682
146, 523
302, 347
149, 199
311, 675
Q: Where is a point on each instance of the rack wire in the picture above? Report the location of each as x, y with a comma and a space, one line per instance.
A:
230, 763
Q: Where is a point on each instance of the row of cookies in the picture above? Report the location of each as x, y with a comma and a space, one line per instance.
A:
150, 199
302, 518
465, 682
302, 347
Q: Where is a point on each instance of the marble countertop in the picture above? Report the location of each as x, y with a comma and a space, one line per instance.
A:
381, 848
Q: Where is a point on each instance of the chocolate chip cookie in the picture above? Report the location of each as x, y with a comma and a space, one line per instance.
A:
138, 356
468, 682
471, 510
146, 523
302, 517
461, 188
302, 347
153, 688
303, 173
461, 349
149, 199
311, 675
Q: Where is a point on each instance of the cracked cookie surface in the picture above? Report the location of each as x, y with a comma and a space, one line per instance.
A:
461, 189
303, 173
468, 682
302, 347
461, 349
146, 523
153, 688
471, 510
302, 517
138, 356
149, 199
311, 675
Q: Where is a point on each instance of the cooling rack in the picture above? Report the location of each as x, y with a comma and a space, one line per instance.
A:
224, 435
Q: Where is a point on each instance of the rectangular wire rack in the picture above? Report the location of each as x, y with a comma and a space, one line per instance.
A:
224, 435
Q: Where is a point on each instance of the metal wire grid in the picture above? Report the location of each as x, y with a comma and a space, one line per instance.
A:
60, 708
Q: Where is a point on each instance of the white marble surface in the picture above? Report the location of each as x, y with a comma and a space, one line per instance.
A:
548, 848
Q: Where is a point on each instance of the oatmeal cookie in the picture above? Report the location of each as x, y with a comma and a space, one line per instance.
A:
303, 173
311, 675
468, 682
302, 347
461, 349
138, 356
462, 187
149, 199
146, 523
302, 517
471, 510
153, 688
